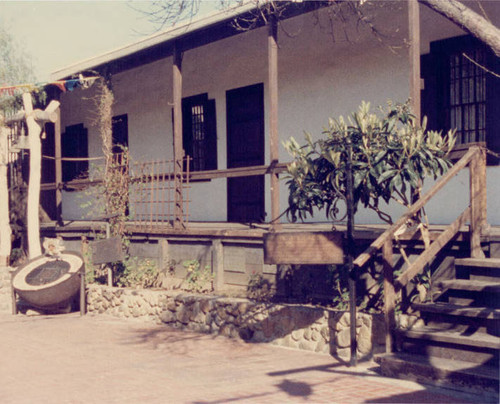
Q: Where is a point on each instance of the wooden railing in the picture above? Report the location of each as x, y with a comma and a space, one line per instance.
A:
156, 212
475, 214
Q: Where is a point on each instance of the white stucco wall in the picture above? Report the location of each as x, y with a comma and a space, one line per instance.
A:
320, 76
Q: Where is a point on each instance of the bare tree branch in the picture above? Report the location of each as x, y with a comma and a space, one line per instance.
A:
468, 20
169, 12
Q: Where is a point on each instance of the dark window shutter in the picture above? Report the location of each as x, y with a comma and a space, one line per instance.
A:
460, 93
74, 143
493, 109
429, 94
187, 131
211, 135
48, 149
120, 133
199, 132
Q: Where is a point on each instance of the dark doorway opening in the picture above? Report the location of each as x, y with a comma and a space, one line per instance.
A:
245, 147
120, 133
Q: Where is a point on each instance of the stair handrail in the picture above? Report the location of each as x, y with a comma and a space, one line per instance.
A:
475, 214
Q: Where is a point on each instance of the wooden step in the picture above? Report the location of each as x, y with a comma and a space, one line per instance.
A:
478, 262
452, 373
457, 310
487, 269
478, 339
470, 285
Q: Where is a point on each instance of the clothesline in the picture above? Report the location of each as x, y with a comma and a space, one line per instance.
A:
63, 85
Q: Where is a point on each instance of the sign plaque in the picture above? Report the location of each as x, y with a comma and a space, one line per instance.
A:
315, 248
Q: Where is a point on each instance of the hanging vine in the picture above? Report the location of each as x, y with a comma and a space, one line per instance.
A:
115, 178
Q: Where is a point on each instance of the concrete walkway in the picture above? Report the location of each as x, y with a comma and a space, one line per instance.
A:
73, 359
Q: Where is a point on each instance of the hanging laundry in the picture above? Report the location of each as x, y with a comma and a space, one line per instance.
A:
87, 82
63, 85
7, 91
72, 84
60, 85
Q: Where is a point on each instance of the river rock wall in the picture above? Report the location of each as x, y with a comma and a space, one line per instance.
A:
300, 327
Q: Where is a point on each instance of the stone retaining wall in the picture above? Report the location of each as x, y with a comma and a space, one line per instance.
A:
308, 328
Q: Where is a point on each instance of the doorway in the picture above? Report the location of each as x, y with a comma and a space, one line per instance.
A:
245, 147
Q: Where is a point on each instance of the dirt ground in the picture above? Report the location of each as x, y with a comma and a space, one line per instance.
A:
73, 359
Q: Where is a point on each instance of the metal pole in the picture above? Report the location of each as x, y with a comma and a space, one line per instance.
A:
110, 271
350, 253
273, 119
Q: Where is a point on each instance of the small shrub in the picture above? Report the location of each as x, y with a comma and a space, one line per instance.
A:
135, 272
198, 279
17, 257
259, 288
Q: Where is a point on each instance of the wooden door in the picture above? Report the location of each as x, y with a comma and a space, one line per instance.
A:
245, 147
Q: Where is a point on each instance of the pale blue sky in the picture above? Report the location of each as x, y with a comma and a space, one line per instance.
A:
59, 33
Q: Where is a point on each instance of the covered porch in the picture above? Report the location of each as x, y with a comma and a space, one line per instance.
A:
260, 175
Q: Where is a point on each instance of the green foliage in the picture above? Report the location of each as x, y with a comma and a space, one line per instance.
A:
259, 288
390, 155
339, 278
135, 272
423, 285
17, 257
110, 196
16, 68
15, 65
198, 279
18, 196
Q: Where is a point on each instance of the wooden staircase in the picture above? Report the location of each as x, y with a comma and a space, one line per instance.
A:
460, 342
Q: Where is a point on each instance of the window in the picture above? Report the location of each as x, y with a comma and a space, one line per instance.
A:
460, 92
74, 143
120, 133
465, 105
199, 132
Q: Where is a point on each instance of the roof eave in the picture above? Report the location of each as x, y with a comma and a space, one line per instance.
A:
153, 40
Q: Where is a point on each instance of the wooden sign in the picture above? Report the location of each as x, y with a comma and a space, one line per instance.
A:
105, 251
304, 248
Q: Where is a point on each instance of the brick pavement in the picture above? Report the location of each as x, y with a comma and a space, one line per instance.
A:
73, 359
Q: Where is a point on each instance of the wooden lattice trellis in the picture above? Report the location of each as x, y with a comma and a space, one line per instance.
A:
152, 194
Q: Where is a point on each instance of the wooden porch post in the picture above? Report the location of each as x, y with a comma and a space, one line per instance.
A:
58, 166
272, 48
389, 294
482, 189
414, 56
178, 149
218, 264
477, 174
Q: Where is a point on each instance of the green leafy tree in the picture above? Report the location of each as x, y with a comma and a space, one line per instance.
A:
15, 68
391, 155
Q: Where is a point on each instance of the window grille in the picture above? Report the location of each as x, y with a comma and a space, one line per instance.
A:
466, 109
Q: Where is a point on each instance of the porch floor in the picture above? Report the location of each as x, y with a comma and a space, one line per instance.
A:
248, 231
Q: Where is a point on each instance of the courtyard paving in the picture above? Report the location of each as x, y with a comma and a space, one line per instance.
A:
73, 359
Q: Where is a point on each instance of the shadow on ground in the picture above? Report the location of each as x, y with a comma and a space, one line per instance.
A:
297, 383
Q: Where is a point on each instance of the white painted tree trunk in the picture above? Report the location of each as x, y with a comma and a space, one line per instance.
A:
35, 144
5, 230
